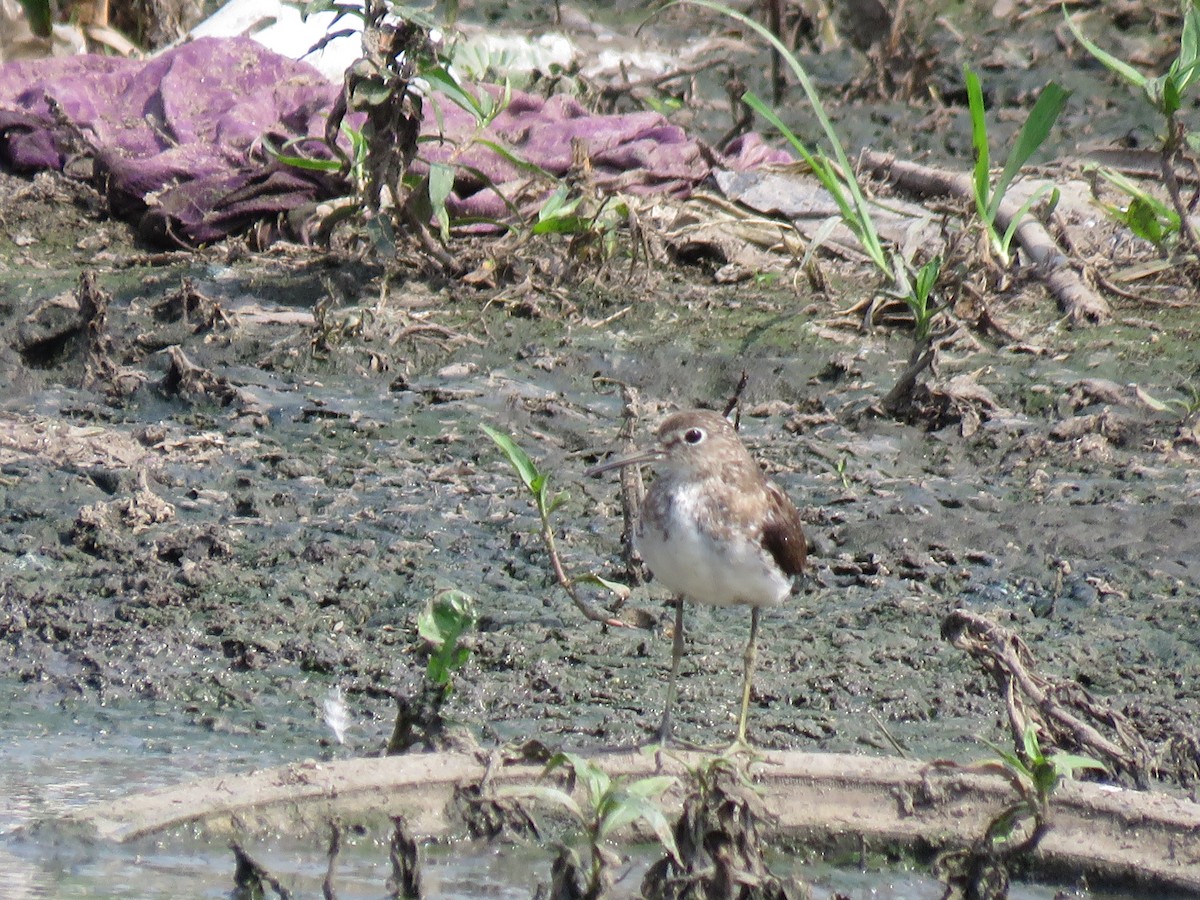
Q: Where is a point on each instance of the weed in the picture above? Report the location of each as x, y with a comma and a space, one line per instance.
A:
1033, 133
443, 621
1166, 94
446, 618
1184, 409
1145, 215
837, 176
537, 483
981, 870
609, 805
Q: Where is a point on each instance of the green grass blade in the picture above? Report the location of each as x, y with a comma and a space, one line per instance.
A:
441, 183
515, 159
1033, 134
979, 140
300, 162
1019, 216
1189, 47
870, 237
842, 192
1118, 66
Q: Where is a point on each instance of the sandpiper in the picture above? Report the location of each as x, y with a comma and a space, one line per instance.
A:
714, 530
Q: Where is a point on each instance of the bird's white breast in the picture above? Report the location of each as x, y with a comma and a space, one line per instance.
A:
723, 569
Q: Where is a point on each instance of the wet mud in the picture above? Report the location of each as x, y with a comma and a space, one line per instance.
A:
230, 483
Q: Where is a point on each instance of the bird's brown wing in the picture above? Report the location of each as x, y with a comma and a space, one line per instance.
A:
781, 534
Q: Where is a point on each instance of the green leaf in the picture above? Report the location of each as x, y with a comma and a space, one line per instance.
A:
562, 224
626, 808
517, 457
651, 786
1033, 750
1033, 134
440, 80
927, 277
1067, 763
442, 622
1121, 68
1185, 76
557, 205
1188, 60
441, 183
1013, 762
1142, 221
39, 16
595, 781
621, 809
1170, 94
979, 140
514, 158
558, 500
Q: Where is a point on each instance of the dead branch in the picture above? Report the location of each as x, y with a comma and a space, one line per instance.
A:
1066, 713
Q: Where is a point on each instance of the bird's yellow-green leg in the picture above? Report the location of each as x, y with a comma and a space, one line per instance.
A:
664, 730
747, 678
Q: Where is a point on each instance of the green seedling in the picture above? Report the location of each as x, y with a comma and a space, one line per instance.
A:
1165, 93
982, 870
608, 806
1145, 215
546, 502
443, 621
1033, 133
842, 469
1034, 776
446, 618
918, 295
837, 176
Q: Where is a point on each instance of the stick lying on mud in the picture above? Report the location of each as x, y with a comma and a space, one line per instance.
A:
1078, 301
1063, 709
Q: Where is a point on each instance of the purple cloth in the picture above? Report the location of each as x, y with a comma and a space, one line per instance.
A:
177, 140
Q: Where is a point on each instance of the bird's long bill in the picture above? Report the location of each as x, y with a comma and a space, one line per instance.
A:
618, 462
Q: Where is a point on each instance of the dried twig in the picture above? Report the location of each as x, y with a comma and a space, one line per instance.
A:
1068, 715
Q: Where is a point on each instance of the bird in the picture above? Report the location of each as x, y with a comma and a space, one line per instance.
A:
715, 530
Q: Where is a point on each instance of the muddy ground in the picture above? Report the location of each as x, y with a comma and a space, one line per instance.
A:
229, 481
250, 533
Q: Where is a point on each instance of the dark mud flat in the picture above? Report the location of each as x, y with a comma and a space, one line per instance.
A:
233, 488
276, 521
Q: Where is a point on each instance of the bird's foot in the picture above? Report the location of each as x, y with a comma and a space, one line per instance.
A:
741, 748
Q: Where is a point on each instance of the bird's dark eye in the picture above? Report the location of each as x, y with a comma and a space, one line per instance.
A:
693, 435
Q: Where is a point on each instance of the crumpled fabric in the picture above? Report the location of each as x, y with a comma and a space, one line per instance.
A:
177, 141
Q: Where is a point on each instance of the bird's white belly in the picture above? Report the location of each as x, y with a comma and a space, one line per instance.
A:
732, 570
